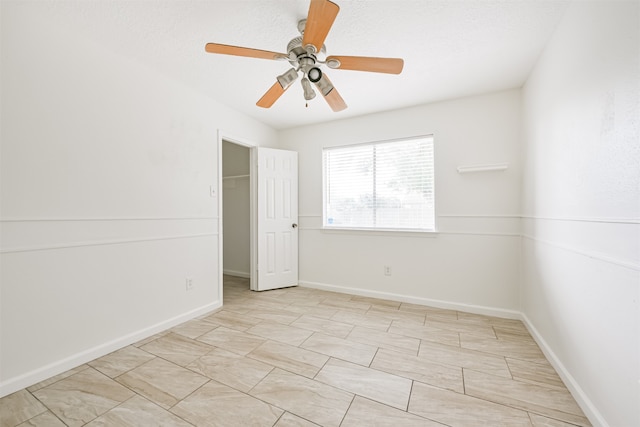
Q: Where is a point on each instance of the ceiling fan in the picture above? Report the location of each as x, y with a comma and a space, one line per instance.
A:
305, 54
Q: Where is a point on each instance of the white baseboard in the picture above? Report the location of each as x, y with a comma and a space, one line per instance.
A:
476, 309
30, 378
589, 409
243, 274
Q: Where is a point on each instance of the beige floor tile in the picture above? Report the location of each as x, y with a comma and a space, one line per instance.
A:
346, 305
508, 333
442, 315
57, 378
365, 412
417, 368
232, 320
551, 402
322, 312
351, 351
329, 295
236, 306
420, 309
490, 320
294, 296
293, 359
386, 340
540, 421
230, 368
82, 397
361, 319
508, 348
458, 410
411, 329
326, 326
377, 302
18, 407
261, 303
162, 382
138, 412
47, 419
392, 314
217, 405
290, 420
177, 348
462, 327
151, 338
232, 340
308, 399
464, 358
280, 315
279, 332
194, 328
121, 361
376, 385
535, 373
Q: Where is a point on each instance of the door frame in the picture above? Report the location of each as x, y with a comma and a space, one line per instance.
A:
253, 247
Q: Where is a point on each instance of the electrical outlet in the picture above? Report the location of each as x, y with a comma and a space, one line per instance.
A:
189, 284
387, 270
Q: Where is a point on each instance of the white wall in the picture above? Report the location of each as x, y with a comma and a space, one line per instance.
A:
581, 200
236, 214
105, 174
473, 262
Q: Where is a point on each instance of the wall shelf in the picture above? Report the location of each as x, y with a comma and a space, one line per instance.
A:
483, 168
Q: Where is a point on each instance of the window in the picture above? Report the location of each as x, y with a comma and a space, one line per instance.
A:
383, 185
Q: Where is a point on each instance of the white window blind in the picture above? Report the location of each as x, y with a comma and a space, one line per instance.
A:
382, 185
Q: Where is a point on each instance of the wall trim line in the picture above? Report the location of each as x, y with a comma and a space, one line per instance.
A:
85, 219
593, 255
40, 374
103, 243
585, 219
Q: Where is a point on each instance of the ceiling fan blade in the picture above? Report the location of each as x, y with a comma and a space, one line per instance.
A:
335, 101
330, 94
243, 51
271, 96
283, 82
366, 63
321, 15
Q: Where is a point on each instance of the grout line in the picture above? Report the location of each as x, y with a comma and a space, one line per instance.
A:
410, 393
348, 409
464, 385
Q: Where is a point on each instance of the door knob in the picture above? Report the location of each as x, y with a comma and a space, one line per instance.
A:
294, 225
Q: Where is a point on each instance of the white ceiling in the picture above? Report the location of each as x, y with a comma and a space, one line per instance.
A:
451, 48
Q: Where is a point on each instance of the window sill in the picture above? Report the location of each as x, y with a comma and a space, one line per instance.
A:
380, 232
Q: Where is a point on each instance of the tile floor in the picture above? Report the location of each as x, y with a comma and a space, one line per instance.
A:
303, 357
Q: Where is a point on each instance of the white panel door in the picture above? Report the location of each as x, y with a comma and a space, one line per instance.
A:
277, 218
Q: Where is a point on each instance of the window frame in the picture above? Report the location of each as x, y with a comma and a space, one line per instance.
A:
379, 230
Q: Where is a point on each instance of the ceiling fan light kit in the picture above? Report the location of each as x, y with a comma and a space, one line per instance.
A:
304, 53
